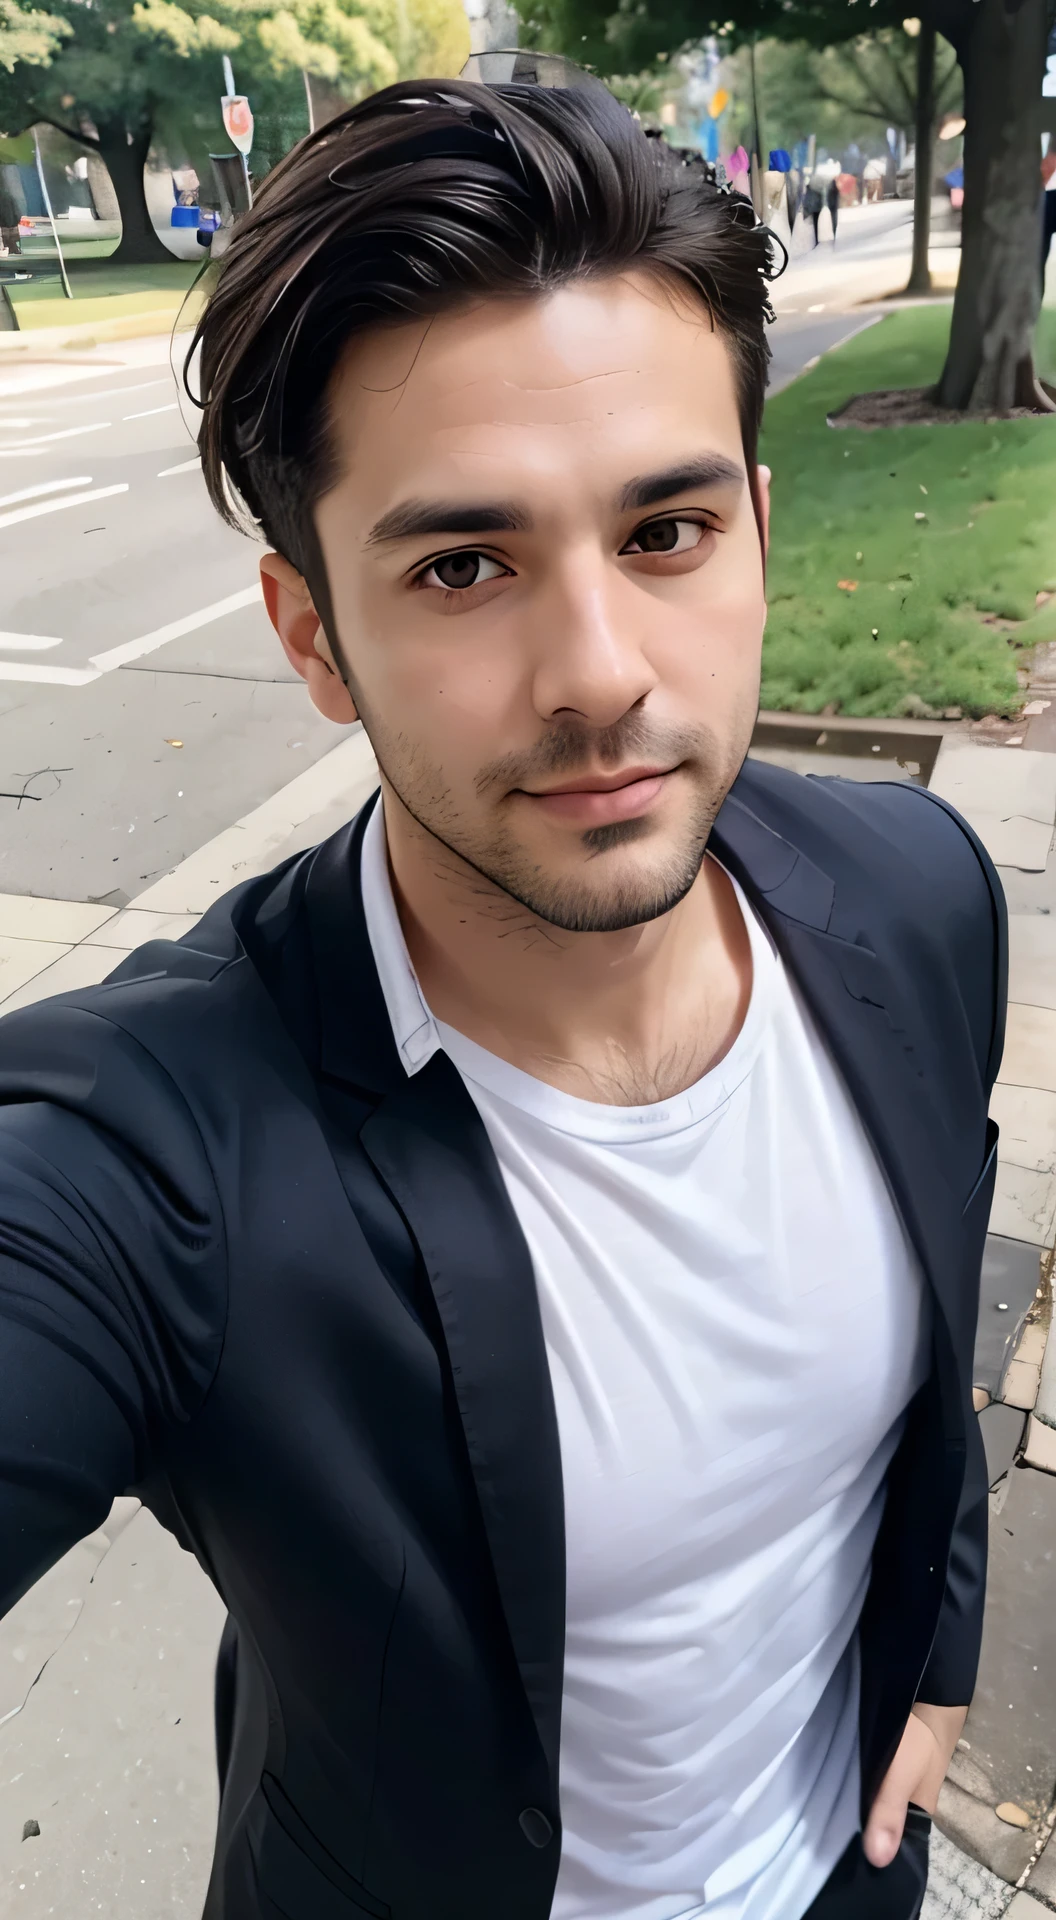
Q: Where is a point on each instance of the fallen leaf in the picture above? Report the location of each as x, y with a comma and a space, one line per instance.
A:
923, 489
174, 743
849, 586
1012, 1815
920, 516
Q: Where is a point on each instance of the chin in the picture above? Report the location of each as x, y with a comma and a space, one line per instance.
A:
611, 894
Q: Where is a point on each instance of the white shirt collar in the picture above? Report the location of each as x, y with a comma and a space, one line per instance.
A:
413, 1027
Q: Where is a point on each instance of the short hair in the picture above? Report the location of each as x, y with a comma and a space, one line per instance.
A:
427, 195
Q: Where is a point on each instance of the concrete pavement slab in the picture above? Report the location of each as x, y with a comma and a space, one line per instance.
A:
80, 967
1025, 1907
132, 927
24, 918
112, 1755
1007, 794
1002, 1430
1011, 1727
1029, 1058
1041, 1880
38, 1624
959, 1888
1024, 1205
1032, 959
21, 960
1027, 1119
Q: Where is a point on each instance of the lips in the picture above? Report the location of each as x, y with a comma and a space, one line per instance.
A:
596, 800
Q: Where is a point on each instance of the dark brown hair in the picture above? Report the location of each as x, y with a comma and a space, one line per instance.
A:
425, 195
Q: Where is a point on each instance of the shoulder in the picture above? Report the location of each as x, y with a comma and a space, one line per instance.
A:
911, 874
858, 825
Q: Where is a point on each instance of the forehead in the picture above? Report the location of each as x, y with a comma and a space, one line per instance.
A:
589, 384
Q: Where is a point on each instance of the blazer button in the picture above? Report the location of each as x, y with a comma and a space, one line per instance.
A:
536, 1827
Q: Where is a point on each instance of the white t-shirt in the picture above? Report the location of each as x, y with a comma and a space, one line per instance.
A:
735, 1324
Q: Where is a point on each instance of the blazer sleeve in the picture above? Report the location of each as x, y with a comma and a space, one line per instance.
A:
111, 1277
981, 958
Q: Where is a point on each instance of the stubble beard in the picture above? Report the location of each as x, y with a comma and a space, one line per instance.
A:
602, 898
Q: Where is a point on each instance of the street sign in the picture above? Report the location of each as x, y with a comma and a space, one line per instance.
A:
238, 121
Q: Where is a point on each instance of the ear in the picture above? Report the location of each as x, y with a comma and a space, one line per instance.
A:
290, 610
764, 506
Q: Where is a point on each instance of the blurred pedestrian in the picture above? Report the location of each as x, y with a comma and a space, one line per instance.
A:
812, 205
832, 201
1048, 209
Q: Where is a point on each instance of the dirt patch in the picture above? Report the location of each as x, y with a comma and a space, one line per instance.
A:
912, 407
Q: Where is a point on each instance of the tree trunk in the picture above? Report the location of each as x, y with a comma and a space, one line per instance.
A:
125, 160
920, 272
989, 366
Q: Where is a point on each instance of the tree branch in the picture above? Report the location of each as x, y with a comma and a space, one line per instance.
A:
49, 120
910, 96
882, 108
855, 106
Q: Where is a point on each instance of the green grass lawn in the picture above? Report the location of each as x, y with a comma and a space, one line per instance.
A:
912, 636
100, 291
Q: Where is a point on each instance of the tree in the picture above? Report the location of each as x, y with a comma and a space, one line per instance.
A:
104, 72
1000, 46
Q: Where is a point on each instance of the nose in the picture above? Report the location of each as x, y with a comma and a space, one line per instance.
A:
591, 663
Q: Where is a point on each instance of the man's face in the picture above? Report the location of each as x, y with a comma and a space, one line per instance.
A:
547, 586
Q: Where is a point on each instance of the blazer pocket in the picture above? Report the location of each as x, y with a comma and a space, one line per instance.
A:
988, 1172
300, 1879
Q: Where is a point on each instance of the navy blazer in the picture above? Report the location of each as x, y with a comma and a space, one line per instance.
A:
254, 1274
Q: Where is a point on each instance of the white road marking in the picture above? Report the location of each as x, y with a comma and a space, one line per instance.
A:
133, 649
114, 393
27, 642
173, 406
44, 486
55, 506
47, 676
148, 642
188, 466
64, 433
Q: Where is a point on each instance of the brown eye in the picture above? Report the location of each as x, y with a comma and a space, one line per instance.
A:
666, 536
457, 572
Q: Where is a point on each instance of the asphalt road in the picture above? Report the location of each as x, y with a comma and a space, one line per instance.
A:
131, 619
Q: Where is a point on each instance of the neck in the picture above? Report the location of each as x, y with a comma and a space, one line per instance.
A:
624, 1018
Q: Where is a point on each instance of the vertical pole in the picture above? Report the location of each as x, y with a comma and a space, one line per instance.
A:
757, 135
308, 98
51, 217
920, 271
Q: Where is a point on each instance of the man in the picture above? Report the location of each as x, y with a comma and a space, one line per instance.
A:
528, 1247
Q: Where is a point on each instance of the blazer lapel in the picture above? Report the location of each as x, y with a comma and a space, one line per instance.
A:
430, 1149
874, 1030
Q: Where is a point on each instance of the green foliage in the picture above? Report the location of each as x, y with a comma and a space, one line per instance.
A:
840, 94
629, 36
938, 590
28, 36
124, 61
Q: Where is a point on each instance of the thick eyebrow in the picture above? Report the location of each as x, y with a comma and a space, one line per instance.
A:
709, 470
413, 519
418, 519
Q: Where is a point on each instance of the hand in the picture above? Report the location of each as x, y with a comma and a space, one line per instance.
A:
916, 1773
